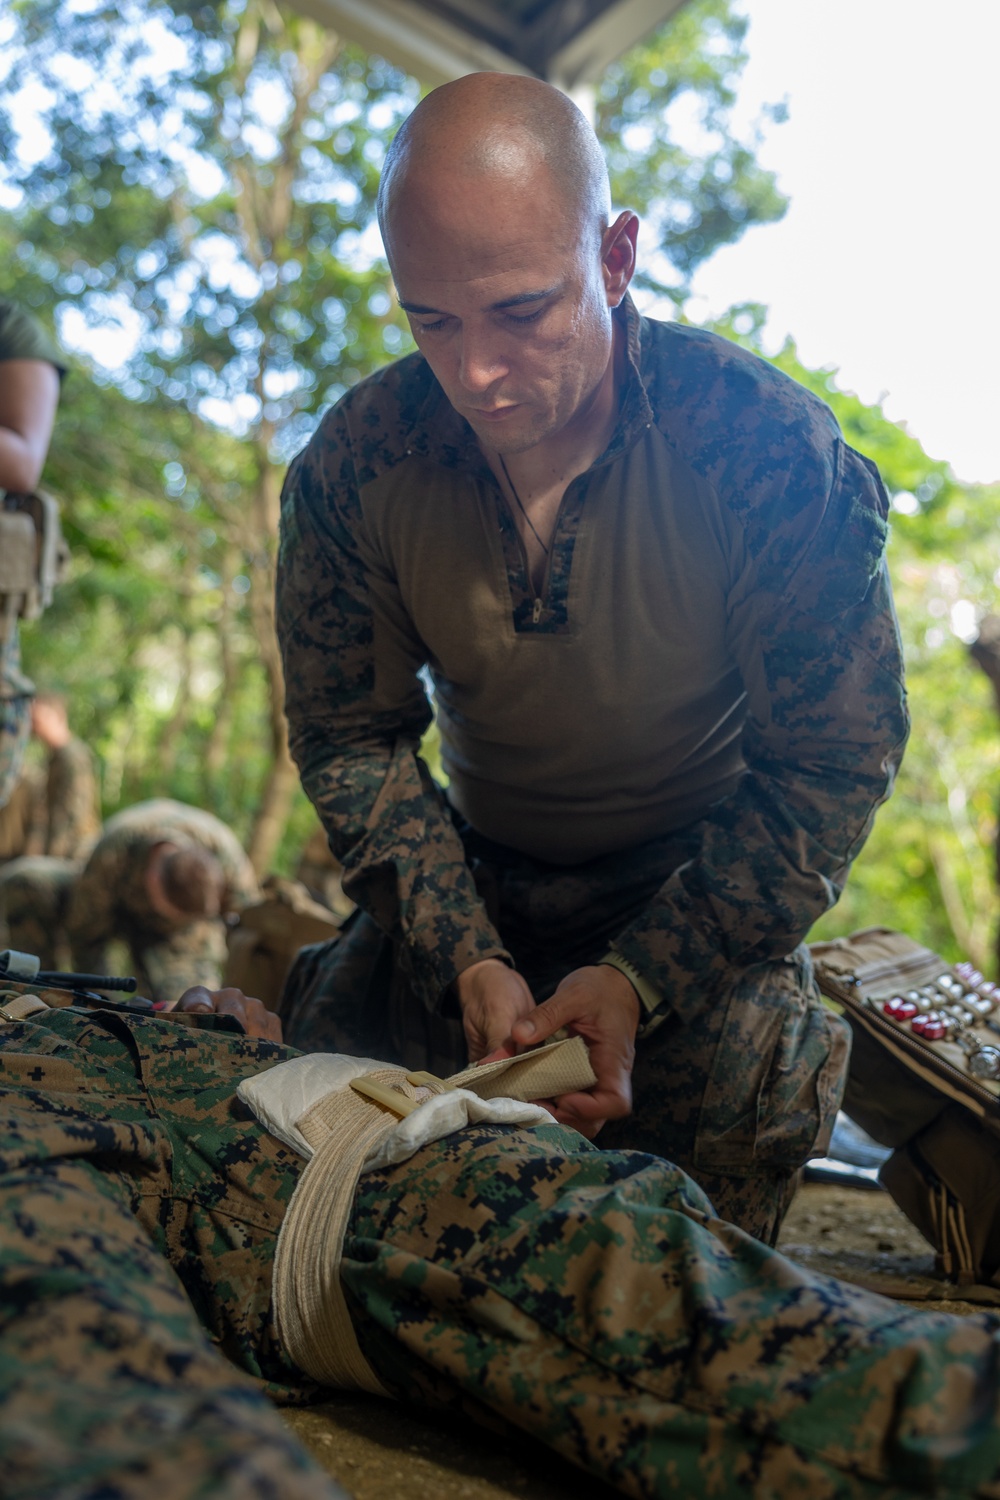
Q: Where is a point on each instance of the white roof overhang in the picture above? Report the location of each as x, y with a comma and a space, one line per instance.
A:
567, 42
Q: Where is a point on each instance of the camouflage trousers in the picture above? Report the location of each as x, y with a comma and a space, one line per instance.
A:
139, 1207
740, 1091
16, 692
589, 1298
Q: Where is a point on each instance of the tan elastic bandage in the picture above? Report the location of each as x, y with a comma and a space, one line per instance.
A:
344, 1129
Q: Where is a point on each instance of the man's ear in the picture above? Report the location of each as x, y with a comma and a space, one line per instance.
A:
618, 255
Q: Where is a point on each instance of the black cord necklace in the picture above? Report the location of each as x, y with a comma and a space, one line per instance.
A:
517, 501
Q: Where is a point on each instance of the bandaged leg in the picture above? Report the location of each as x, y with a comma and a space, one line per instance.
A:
593, 1300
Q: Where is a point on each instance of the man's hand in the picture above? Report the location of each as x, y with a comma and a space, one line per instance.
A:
254, 1017
599, 1004
492, 997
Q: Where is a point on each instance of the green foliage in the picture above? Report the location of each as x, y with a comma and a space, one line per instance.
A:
210, 174
663, 115
198, 193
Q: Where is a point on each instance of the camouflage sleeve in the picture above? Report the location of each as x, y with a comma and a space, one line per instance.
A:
91, 921
37, 836
16, 692
813, 628
71, 798
355, 732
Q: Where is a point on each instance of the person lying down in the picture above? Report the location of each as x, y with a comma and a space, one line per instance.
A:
198, 1222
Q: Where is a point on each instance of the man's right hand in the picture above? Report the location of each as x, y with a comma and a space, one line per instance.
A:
492, 997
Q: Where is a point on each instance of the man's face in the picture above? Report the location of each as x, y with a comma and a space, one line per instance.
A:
506, 300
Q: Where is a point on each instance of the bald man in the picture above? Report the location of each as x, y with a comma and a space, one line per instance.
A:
645, 576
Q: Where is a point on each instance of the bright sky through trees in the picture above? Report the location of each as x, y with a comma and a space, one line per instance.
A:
888, 259
886, 262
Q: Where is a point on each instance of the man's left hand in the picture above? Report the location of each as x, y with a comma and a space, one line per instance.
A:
252, 1015
599, 1004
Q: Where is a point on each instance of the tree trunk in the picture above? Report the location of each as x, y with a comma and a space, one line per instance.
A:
180, 716
218, 740
265, 216
282, 778
272, 811
974, 945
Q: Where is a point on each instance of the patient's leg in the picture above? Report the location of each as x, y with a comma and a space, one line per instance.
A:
593, 1299
108, 1384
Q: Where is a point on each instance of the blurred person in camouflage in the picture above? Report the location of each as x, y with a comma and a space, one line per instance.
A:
646, 576
18, 812
62, 824
163, 878
30, 373
35, 892
66, 817
591, 1299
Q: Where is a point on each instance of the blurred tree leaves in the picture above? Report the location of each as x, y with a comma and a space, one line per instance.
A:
196, 196
193, 200
663, 113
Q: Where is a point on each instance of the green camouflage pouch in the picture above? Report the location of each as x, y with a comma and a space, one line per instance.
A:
925, 1081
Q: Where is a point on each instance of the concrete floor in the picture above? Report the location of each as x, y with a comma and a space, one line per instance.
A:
384, 1452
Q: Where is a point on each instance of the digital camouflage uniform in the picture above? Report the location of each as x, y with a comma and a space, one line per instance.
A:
62, 825
16, 693
15, 716
739, 1070
66, 814
137, 1198
35, 893
109, 899
589, 1298
17, 812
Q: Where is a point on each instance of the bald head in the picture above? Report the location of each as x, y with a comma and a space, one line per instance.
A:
472, 142
494, 211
